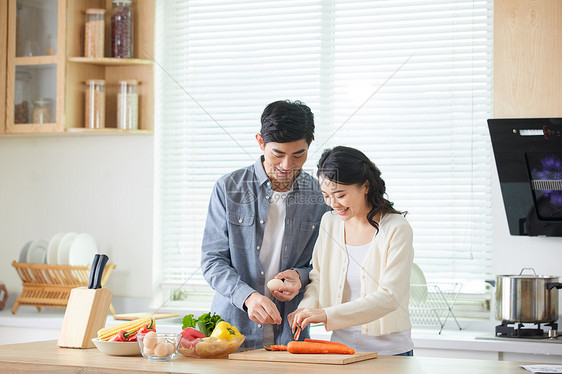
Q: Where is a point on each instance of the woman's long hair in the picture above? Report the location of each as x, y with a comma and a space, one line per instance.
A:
350, 166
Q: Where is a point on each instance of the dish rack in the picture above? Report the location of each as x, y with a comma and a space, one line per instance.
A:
433, 303
50, 285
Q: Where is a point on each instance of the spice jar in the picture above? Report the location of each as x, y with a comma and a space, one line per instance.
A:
22, 97
122, 29
95, 104
128, 105
94, 33
51, 45
42, 111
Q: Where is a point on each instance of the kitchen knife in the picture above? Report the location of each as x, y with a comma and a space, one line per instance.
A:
99, 270
93, 270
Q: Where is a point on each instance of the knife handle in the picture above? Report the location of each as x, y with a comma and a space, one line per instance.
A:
93, 270
99, 270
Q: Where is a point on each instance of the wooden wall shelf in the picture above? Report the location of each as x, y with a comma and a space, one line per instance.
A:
111, 61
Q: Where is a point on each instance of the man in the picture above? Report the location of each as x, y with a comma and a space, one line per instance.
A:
262, 223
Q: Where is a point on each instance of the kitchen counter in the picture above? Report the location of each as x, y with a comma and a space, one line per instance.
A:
28, 325
46, 357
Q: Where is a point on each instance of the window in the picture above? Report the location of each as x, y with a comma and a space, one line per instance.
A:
407, 82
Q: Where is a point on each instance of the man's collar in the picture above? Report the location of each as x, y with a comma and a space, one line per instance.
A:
260, 171
303, 180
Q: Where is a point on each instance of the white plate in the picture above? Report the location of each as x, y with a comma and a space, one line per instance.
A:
37, 252
53, 248
418, 286
64, 248
417, 275
82, 250
23, 251
117, 348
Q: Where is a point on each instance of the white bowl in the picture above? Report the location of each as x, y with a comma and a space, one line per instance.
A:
117, 348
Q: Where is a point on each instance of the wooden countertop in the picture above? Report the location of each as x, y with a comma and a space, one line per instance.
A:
46, 357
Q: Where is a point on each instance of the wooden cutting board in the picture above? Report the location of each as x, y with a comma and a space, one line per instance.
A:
133, 316
277, 356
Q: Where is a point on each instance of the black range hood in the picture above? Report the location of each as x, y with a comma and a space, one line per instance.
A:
528, 154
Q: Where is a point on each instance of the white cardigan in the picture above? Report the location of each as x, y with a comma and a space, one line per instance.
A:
385, 277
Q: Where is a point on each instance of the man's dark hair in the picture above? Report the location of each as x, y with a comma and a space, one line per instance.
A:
287, 121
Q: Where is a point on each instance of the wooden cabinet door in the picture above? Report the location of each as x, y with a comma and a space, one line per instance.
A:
34, 76
3, 50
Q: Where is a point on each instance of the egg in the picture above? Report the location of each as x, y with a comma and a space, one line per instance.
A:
171, 348
148, 351
161, 350
274, 284
150, 340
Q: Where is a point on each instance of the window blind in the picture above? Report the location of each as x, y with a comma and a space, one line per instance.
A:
407, 82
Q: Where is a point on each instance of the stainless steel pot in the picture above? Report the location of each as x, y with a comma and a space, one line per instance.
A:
526, 298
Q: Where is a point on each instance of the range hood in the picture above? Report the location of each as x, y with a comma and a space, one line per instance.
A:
528, 154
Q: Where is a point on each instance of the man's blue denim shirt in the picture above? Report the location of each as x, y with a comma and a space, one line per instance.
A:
233, 236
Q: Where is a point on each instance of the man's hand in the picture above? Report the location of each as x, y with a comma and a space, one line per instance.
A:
302, 317
261, 309
291, 285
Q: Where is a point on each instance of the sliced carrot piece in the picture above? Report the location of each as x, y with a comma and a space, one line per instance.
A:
279, 347
297, 334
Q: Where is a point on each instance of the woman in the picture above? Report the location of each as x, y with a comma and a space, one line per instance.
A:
360, 281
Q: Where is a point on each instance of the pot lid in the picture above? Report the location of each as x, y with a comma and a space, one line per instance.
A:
528, 276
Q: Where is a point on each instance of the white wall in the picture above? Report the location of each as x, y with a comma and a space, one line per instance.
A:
103, 185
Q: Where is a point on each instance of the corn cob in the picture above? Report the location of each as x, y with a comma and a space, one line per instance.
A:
132, 326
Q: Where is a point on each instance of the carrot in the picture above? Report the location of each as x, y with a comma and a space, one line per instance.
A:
323, 342
311, 347
297, 334
279, 347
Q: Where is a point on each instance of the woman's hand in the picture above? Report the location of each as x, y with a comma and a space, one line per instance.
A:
291, 285
302, 317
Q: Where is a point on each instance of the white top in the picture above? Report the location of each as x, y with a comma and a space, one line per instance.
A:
382, 308
270, 252
356, 255
391, 344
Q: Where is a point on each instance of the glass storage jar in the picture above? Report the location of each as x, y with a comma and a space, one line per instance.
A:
22, 97
122, 29
42, 111
51, 45
94, 33
128, 105
94, 108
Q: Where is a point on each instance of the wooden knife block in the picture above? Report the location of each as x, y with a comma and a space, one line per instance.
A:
85, 314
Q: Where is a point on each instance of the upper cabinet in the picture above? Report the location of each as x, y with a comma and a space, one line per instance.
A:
35, 70
79, 66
